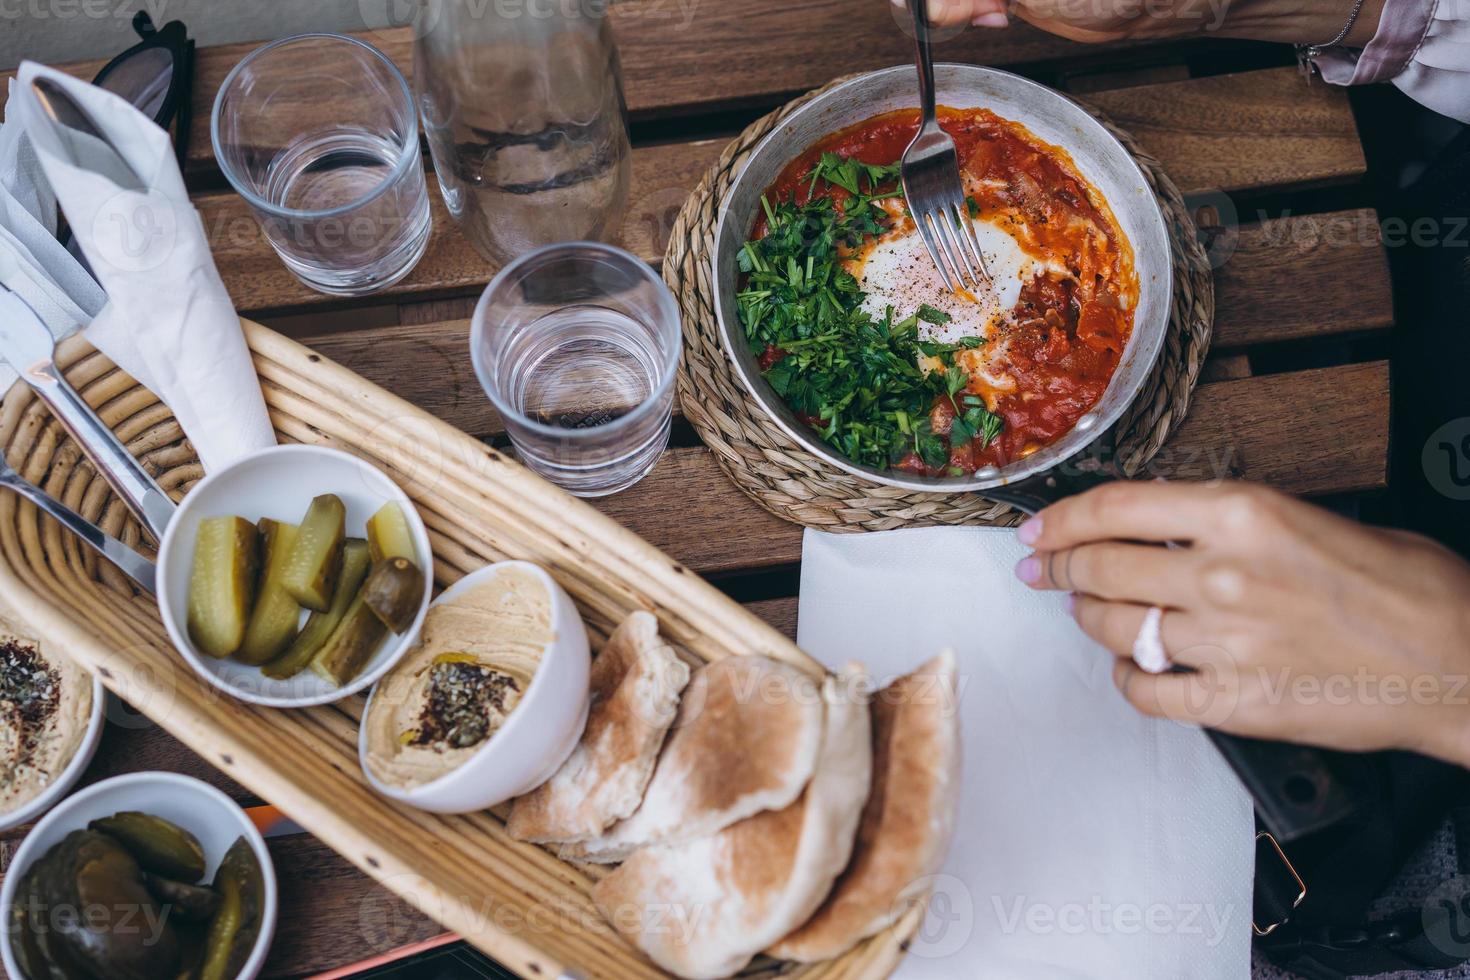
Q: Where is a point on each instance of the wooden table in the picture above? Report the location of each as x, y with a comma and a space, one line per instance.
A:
1276, 165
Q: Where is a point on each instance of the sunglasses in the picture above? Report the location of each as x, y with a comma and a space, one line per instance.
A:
155, 76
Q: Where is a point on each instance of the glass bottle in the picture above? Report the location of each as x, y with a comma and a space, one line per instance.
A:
522, 104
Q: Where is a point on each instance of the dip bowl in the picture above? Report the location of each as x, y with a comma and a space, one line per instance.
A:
280, 483
199, 808
537, 735
62, 784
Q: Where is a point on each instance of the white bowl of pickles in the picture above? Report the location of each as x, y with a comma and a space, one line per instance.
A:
297, 576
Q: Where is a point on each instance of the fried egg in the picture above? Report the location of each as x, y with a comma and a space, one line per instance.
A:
895, 270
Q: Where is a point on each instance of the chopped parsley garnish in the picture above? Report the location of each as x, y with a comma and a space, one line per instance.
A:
932, 314
855, 377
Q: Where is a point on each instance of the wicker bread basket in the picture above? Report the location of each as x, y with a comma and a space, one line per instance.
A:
514, 901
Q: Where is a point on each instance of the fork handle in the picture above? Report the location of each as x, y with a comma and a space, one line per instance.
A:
924, 60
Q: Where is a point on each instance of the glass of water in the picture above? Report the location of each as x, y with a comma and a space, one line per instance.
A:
577, 345
318, 133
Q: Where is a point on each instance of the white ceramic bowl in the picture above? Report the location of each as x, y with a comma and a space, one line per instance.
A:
539, 734
280, 483
198, 807
86, 749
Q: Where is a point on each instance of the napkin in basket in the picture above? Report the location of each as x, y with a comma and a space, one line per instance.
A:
161, 312
1091, 842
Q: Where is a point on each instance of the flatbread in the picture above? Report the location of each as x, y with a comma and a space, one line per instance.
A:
705, 908
909, 818
745, 740
635, 682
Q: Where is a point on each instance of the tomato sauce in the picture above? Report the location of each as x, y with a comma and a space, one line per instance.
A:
1068, 330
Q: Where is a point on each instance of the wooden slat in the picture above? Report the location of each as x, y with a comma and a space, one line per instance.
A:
780, 613
132, 743
1304, 277
1250, 130
671, 49
331, 914
1267, 290
1223, 147
688, 507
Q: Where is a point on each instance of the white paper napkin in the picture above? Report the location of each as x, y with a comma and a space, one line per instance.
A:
1091, 842
167, 319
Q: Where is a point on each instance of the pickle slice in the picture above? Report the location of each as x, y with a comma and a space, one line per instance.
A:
388, 534
236, 925
352, 644
273, 622
393, 592
320, 625
221, 584
192, 903
311, 570
157, 845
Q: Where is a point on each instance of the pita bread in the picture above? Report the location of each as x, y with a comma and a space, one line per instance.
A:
745, 740
705, 908
909, 818
635, 681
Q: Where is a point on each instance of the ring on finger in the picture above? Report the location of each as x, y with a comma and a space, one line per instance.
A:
1148, 646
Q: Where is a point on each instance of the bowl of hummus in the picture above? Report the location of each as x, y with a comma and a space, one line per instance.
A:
51, 718
492, 700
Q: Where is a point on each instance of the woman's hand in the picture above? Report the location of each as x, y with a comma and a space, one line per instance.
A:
1301, 625
1287, 21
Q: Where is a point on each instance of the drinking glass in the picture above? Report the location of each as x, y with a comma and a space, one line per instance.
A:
577, 345
318, 133
522, 105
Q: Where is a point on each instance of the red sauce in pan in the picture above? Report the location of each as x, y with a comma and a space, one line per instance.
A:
1068, 330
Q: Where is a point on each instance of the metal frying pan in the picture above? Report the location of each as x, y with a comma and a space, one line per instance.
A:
1295, 790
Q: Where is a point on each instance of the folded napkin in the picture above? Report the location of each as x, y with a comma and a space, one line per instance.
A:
1091, 842
161, 312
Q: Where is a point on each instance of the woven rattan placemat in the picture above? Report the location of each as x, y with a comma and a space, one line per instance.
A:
793, 484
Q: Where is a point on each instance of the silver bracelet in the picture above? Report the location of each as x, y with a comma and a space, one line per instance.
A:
1306, 54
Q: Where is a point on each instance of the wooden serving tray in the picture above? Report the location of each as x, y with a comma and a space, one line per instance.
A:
516, 902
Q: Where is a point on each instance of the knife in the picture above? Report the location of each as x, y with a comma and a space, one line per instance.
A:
128, 561
27, 345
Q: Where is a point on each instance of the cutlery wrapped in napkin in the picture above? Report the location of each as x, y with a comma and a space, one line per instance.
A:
157, 307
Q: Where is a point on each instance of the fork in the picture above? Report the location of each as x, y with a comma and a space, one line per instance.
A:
931, 180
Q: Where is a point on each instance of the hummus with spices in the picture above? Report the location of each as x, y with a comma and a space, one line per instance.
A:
478, 653
45, 706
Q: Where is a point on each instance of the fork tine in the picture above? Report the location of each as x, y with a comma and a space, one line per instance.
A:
972, 241
922, 222
946, 246
951, 234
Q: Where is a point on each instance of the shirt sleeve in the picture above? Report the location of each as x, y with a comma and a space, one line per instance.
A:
1421, 46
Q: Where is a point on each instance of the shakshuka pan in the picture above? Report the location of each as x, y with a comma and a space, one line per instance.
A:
855, 329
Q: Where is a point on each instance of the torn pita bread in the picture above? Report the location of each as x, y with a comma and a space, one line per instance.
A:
635, 681
909, 818
705, 908
745, 740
